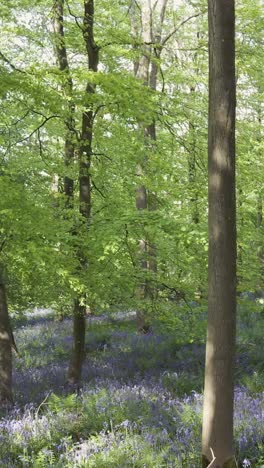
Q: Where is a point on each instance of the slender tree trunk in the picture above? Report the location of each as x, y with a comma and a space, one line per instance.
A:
85, 159
76, 361
141, 69
6, 340
78, 352
192, 173
146, 70
62, 60
259, 220
151, 132
192, 165
217, 438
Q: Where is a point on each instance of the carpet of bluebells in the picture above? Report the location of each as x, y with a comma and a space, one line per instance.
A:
141, 400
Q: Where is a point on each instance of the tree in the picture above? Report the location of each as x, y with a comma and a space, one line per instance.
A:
83, 149
217, 438
85, 160
5, 345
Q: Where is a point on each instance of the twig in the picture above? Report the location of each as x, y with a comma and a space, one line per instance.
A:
179, 26
98, 190
74, 16
214, 458
6, 60
42, 403
35, 130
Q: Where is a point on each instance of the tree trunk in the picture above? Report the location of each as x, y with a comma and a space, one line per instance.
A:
76, 361
217, 438
259, 220
62, 60
192, 173
142, 73
151, 132
6, 341
85, 156
78, 352
146, 70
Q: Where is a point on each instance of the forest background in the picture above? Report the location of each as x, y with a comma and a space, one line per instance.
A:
38, 248
116, 218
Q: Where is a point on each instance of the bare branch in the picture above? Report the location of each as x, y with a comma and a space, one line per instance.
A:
76, 18
6, 60
214, 458
166, 39
35, 130
98, 190
21, 119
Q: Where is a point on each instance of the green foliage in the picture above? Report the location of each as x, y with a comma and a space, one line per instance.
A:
39, 250
181, 384
254, 382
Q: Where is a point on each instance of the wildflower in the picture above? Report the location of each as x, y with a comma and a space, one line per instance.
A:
246, 463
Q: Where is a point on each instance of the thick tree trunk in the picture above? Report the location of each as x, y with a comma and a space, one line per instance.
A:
6, 340
217, 435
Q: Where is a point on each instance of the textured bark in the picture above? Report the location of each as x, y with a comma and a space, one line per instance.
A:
6, 340
220, 345
259, 217
85, 156
78, 352
62, 60
146, 70
85, 152
141, 69
76, 361
192, 170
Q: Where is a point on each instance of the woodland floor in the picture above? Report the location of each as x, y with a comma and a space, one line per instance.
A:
141, 400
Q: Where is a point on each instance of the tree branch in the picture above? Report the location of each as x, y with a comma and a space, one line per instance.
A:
36, 129
6, 60
166, 39
76, 18
98, 190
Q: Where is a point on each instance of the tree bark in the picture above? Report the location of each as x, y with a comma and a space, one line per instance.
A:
192, 170
6, 342
146, 70
63, 64
220, 346
141, 69
78, 351
259, 217
77, 357
85, 159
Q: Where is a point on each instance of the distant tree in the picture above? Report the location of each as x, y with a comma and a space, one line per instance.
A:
217, 437
85, 161
82, 148
6, 339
